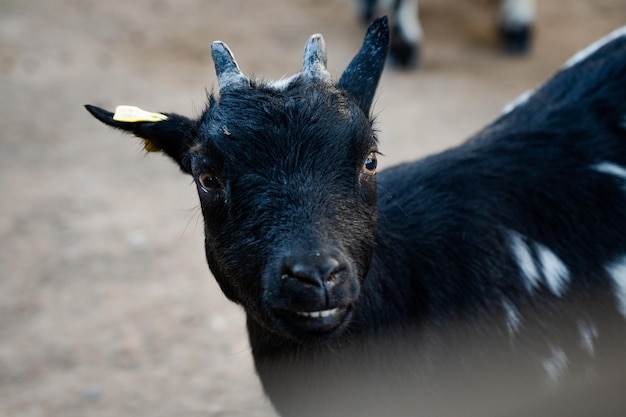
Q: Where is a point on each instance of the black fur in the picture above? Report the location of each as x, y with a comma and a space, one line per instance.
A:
434, 308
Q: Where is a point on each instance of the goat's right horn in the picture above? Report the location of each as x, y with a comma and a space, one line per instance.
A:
226, 68
315, 59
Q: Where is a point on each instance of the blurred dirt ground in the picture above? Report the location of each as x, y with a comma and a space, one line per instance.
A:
107, 307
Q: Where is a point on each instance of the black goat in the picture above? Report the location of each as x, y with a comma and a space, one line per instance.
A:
466, 283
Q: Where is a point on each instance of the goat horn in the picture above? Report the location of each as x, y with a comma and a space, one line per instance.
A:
314, 66
228, 73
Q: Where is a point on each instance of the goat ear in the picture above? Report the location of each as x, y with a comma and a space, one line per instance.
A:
361, 77
169, 133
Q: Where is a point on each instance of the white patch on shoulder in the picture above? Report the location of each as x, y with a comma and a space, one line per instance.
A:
588, 334
546, 268
525, 261
519, 101
554, 270
613, 169
617, 271
555, 365
588, 51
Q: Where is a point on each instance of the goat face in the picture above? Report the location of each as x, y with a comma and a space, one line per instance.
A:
286, 178
286, 181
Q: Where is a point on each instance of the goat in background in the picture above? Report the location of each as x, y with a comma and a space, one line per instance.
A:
516, 21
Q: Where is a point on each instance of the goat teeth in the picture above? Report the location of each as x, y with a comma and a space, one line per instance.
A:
317, 314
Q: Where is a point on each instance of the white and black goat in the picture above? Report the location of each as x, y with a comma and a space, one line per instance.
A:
467, 283
516, 22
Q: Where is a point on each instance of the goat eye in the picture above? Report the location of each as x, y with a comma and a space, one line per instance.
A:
370, 164
209, 182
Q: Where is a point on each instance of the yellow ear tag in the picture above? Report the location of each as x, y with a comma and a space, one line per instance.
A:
132, 114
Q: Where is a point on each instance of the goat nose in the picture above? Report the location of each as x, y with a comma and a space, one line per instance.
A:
313, 269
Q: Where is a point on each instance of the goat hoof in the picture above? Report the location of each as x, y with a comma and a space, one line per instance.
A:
516, 40
403, 54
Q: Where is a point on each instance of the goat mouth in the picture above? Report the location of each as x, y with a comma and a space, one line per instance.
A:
317, 314
320, 322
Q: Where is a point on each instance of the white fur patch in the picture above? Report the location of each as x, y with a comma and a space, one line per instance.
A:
517, 13
588, 334
555, 365
513, 316
611, 168
554, 270
525, 261
617, 271
588, 51
283, 82
519, 101
547, 268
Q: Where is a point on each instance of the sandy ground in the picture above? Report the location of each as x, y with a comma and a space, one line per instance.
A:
106, 304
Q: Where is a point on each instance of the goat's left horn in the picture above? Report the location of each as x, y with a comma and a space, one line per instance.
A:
315, 60
228, 73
